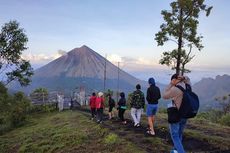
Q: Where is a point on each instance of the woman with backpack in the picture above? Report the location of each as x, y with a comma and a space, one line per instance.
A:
111, 106
122, 107
174, 93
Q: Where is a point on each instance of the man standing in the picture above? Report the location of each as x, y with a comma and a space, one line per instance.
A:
92, 103
137, 105
153, 95
174, 93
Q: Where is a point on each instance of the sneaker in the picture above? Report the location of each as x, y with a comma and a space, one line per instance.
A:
92, 118
124, 122
173, 151
100, 122
138, 125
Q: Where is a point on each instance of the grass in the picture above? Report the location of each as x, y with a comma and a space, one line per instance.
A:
63, 132
72, 131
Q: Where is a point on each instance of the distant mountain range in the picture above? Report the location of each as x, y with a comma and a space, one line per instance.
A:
208, 89
82, 68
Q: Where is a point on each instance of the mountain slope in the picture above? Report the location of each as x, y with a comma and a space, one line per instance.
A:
208, 89
82, 67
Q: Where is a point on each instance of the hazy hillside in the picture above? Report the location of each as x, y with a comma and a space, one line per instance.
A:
208, 89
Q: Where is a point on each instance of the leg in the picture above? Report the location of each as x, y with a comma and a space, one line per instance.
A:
154, 111
139, 112
120, 113
110, 112
123, 119
133, 114
181, 128
174, 131
92, 112
101, 114
150, 122
98, 114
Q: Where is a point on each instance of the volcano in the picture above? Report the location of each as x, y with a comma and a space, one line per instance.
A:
82, 67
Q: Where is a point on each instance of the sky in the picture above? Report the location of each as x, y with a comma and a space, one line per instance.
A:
121, 30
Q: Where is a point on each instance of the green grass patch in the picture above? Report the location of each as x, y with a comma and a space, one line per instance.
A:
62, 132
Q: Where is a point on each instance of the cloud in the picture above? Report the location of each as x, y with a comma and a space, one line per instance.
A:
134, 64
42, 58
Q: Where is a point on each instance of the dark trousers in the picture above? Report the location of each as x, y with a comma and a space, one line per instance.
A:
100, 114
121, 114
93, 112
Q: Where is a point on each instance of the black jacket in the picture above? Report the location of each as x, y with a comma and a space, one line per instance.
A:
122, 102
153, 94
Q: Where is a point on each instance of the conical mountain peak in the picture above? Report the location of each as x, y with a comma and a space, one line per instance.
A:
84, 63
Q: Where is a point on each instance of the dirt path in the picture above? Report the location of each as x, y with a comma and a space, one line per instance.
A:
161, 142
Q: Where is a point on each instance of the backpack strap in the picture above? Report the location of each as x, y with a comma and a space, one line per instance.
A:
187, 87
180, 87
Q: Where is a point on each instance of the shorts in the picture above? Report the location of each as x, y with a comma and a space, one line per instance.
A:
151, 110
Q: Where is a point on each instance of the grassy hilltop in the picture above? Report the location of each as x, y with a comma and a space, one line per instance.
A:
73, 131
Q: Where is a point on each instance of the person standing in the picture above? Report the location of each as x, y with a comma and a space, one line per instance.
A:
153, 95
122, 107
100, 107
111, 106
174, 93
137, 105
92, 103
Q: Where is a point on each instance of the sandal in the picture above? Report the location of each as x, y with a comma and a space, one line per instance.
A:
150, 133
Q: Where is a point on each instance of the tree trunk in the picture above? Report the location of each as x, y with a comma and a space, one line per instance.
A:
180, 40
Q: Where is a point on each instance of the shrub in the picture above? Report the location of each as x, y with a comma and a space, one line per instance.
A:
111, 139
49, 107
212, 115
225, 120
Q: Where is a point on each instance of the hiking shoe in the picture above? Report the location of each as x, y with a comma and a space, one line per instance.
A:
173, 151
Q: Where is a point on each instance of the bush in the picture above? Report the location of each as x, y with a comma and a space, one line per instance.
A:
225, 120
111, 139
212, 115
13, 109
43, 108
19, 109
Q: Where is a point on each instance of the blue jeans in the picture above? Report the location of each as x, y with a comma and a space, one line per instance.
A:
176, 131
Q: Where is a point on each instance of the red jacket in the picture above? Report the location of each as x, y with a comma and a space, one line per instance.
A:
92, 102
99, 102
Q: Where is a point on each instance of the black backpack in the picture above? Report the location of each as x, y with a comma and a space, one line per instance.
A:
190, 102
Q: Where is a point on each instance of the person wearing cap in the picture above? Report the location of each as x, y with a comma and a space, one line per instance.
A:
174, 93
153, 95
100, 106
137, 105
